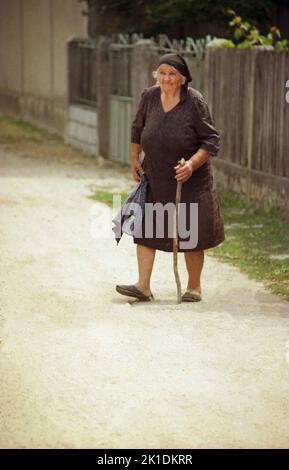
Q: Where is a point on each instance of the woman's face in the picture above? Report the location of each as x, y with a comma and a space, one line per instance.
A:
169, 78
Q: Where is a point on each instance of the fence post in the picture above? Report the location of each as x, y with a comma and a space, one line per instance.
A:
72, 73
251, 118
207, 77
103, 84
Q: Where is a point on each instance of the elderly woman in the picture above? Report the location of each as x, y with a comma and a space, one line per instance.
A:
173, 122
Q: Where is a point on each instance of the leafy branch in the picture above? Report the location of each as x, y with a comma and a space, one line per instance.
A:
247, 36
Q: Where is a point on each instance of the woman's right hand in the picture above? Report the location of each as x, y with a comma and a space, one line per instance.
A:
136, 170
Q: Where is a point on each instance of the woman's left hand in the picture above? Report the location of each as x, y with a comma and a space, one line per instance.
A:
183, 173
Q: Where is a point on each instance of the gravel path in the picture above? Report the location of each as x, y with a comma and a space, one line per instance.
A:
82, 367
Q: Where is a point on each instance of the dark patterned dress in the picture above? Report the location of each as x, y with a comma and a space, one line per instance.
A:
166, 137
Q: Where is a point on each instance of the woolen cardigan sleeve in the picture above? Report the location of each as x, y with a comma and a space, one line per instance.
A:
208, 136
139, 119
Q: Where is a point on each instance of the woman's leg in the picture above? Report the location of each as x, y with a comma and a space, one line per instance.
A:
145, 259
194, 263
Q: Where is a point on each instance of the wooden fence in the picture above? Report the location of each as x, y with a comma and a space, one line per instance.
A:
246, 91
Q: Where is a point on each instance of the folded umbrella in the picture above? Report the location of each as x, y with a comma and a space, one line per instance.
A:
127, 220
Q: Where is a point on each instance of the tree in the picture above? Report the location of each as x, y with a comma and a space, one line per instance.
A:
154, 16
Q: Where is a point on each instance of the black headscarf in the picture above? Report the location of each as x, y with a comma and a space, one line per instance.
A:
177, 61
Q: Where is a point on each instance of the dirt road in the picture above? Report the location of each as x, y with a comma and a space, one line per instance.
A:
82, 367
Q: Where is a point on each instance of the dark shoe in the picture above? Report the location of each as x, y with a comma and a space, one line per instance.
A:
132, 291
191, 297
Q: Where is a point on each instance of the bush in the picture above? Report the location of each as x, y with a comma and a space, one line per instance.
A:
247, 36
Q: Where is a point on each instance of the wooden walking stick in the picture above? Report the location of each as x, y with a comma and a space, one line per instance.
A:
176, 237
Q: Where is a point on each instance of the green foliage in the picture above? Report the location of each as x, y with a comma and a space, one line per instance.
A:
228, 43
221, 43
257, 241
106, 197
16, 130
247, 35
282, 45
